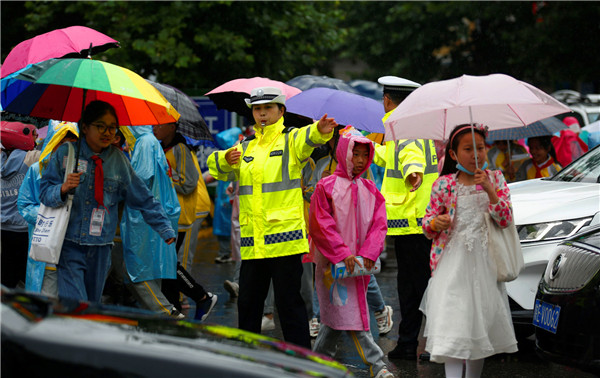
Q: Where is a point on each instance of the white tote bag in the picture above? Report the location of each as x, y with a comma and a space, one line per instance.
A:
505, 249
51, 224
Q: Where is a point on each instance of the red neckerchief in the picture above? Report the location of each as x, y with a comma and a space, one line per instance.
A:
98, 181
538, 169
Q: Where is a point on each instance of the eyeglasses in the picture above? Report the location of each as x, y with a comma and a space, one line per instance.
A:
102, 128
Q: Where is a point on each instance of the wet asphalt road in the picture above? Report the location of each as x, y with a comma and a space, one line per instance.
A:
524, 363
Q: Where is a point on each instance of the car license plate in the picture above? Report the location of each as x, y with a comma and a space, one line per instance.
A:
545, 316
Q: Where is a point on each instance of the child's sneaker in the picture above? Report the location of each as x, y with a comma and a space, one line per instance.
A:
268, 324
232, 288
175, 314
314, 326
384, 320
223, 259
384, 373
204, 307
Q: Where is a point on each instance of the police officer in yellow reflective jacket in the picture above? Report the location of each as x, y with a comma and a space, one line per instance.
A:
410, 170
268, 166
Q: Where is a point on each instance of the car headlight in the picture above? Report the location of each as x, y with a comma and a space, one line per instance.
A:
551, 230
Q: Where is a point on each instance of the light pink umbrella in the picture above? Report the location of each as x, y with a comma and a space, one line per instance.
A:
230, 96
71, 42
498, 101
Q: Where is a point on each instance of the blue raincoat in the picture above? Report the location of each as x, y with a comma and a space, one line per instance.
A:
146, 255
28, 202
222, 214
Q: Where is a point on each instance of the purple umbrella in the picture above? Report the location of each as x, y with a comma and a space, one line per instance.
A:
347, 108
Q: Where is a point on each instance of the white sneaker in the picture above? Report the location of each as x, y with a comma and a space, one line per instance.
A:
314, 326
384, 320
267, 324
384, 373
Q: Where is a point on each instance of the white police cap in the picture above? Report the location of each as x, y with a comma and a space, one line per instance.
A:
264, 95
397, 84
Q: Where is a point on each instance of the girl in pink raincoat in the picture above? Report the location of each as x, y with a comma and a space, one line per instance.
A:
347, 219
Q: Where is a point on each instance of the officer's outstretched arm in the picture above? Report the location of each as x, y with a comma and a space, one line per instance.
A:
220, 168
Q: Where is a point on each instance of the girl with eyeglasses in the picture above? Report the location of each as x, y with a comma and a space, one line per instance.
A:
103, 178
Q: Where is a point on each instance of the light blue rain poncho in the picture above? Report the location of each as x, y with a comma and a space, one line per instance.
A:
28, 201
147, 257
222, 214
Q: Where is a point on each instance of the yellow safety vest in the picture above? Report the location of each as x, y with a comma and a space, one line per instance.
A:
400, 158
269, 173
196, 204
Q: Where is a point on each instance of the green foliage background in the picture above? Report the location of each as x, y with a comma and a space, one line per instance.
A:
198, 45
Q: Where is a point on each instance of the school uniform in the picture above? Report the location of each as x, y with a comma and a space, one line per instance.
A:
85, 257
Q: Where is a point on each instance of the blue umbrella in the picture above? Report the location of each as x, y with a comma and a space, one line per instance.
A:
347, 108
546, 126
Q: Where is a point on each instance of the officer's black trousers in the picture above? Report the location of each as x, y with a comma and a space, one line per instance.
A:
412, 255
286, 273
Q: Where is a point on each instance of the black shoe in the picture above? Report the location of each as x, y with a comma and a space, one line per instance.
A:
403, 353
425, 356
204, 307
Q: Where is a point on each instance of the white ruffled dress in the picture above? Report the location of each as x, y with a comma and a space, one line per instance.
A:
467, 311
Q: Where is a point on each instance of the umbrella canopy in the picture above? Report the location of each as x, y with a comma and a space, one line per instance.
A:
546, 126
72, 42
57, 88
191, 123
367, 88
230, 96
305, 82
498, 101
347, 108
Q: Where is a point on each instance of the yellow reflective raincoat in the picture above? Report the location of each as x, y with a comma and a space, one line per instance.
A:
189, 185
400, 158
269, 173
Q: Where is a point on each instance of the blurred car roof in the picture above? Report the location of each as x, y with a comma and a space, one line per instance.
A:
60, 337
586, 107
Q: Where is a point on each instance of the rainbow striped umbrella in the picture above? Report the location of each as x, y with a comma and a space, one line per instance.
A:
60, 88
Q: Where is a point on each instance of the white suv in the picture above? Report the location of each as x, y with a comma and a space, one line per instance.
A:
586, 107
546, 211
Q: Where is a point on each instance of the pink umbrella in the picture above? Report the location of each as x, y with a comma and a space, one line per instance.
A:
71, 42
498, 101
230, 96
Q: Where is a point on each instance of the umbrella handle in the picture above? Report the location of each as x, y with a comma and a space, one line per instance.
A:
473, 136
80, 136
75, 169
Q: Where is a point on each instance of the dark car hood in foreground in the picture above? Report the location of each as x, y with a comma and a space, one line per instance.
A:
68, 338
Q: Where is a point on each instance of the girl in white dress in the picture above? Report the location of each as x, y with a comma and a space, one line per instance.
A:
468, 316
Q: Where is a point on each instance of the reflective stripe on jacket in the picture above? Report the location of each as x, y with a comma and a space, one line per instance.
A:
400, 158
269, 173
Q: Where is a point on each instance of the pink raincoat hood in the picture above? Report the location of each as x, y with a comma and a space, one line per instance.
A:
348, 138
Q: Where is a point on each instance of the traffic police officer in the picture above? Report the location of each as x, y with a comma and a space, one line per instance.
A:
268, 166
410, 170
